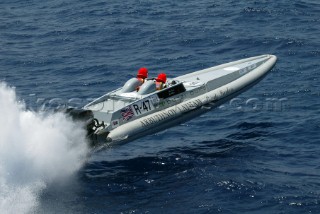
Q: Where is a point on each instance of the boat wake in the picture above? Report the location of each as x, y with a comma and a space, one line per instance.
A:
36, 149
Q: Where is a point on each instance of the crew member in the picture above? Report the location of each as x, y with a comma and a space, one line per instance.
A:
142, 76
161, 81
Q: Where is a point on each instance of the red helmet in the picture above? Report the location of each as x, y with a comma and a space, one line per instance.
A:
142, 73
162, 78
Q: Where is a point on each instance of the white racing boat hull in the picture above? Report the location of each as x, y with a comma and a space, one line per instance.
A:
126, 114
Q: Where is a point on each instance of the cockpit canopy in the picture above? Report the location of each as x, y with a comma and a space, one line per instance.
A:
132, 84
147, 88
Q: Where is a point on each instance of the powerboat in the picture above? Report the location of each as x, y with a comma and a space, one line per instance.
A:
126, 114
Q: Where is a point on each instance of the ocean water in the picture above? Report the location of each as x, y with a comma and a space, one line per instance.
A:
257, 154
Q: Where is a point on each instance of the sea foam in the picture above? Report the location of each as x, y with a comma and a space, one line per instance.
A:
36, 149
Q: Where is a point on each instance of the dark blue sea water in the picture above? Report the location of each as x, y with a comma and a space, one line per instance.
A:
260, 154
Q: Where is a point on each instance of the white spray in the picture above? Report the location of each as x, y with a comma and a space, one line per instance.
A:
35, 150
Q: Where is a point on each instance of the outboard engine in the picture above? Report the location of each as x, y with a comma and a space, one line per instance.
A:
91, 124
80, 114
